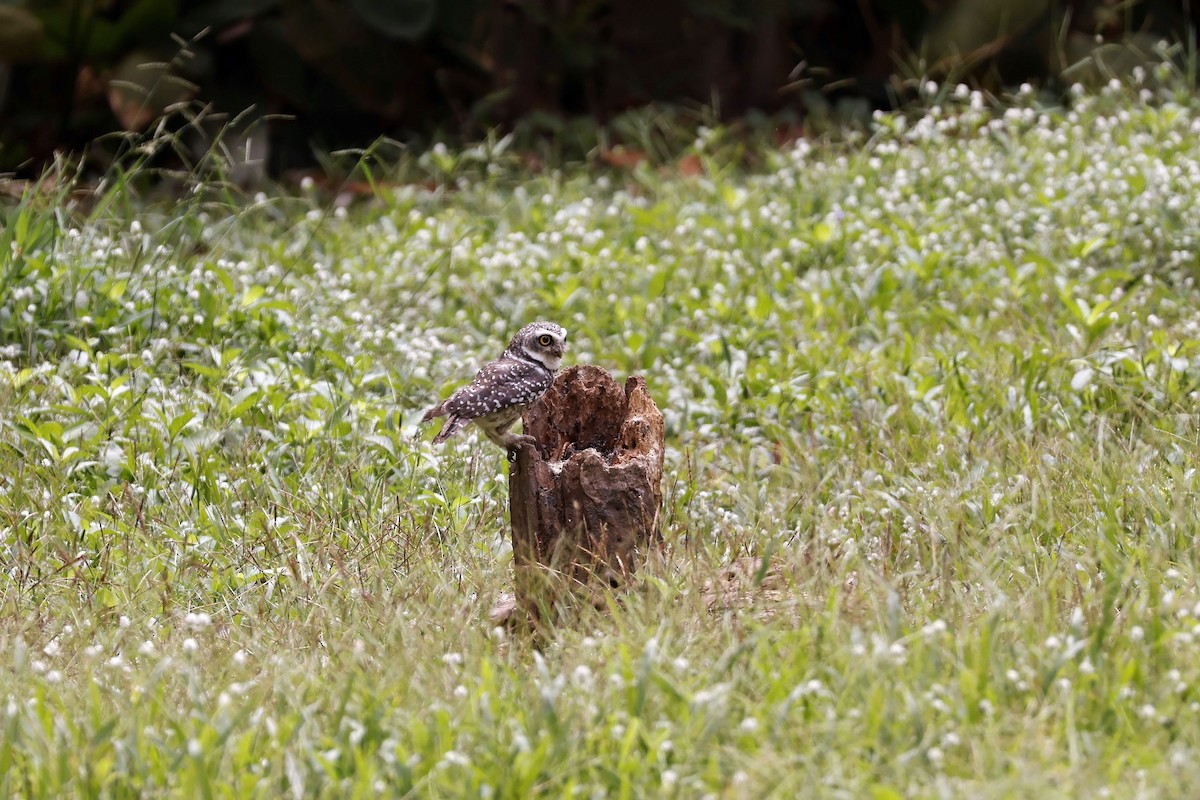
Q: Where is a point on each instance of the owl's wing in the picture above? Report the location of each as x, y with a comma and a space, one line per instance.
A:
502, 383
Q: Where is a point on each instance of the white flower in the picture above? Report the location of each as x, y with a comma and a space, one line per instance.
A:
197, 621
1082, 379
934, 628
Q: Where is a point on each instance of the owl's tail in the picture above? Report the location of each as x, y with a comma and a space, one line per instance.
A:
433, 413
453, 425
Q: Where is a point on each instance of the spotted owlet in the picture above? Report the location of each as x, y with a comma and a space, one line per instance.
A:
506, 387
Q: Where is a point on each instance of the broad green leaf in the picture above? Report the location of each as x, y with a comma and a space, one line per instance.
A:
251, 296
243, 401
206, 370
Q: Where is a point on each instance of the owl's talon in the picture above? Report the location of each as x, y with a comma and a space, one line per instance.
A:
516, 442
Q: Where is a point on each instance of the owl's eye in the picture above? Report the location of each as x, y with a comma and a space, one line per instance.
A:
544, 340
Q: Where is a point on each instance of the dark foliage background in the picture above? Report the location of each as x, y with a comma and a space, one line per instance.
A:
299, 77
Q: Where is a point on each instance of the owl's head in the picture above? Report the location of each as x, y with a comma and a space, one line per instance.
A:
543, 342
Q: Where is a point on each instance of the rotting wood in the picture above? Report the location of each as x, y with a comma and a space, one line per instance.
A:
585, 501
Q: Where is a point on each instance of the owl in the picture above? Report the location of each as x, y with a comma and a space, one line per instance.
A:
506, 387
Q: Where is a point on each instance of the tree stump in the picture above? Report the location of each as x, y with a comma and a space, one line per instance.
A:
584, 501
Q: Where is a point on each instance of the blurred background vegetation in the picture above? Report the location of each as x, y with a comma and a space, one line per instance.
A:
289, 80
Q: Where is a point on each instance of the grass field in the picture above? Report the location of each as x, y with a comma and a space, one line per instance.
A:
932, 392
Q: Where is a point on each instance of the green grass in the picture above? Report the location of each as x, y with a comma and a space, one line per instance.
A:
932, 392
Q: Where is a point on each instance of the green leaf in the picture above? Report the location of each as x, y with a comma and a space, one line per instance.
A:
22, 378
205, 370
1091, 246
399, 19
382, 442
116, 289
251, 295
659, 281
732, 197
243, 401
104, 731
179, 423
106, 597
28, 428
76, 343
764, 304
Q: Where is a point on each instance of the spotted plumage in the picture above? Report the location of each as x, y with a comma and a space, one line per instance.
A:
506, 387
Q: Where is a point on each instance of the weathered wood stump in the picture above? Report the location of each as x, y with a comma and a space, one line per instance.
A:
584, 501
